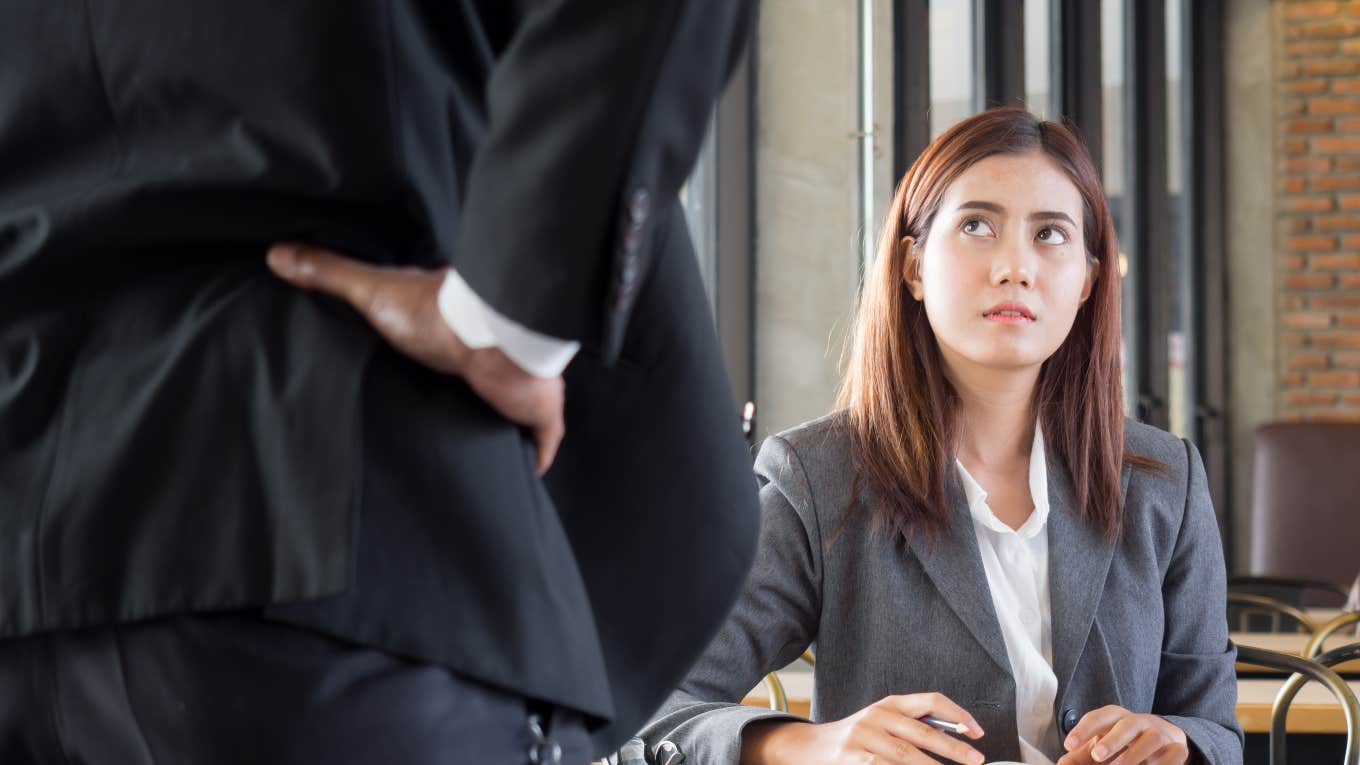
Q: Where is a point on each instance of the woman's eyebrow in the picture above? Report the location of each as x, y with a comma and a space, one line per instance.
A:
975, 204
988, 206
1052, 215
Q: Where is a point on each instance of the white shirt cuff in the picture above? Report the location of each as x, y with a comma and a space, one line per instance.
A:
480, 326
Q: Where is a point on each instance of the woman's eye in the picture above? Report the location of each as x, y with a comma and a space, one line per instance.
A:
977, 227
1052, 235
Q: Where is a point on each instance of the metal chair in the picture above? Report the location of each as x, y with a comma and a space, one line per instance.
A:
1246, 605
1321, 634
1303, 515
779, 700
1304, 670
1303, 593
1351, 709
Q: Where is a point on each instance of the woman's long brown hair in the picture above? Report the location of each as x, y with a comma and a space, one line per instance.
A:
903, 412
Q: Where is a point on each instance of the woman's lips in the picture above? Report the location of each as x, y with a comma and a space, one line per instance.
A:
1008, 317
1009, 312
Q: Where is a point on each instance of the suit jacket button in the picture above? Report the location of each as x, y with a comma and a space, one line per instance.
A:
639, 205
1070, 718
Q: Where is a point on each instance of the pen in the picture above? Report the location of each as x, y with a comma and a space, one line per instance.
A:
952, 727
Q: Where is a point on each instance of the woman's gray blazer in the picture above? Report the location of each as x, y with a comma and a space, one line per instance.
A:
1139, 622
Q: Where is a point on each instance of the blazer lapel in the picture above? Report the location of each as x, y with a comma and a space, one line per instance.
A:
1078, 563
954, 566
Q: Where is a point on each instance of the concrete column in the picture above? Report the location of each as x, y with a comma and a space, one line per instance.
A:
1249, 207
807, 230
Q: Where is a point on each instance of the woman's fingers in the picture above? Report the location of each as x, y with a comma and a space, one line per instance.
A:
1150, 743
1121, 734
1080, 756
918, 705
1093, 723
1137, 738
881, 743
898, 715
1172, 755
1115, 736
924, 737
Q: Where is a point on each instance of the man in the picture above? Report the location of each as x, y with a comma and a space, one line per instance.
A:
240, 525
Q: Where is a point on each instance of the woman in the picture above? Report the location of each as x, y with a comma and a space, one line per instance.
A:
977, 534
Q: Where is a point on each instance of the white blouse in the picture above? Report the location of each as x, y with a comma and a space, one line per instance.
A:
1016, 564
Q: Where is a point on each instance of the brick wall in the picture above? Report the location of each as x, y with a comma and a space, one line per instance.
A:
1318, 93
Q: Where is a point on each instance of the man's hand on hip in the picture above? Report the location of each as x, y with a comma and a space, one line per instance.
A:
402, 304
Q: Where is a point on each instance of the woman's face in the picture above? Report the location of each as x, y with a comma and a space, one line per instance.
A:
1004, 268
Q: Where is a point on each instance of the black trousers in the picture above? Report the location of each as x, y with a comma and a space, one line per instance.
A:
235, 688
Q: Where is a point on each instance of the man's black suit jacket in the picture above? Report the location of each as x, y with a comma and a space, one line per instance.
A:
179, 431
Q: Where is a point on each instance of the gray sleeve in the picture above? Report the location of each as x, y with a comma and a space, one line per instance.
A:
774, 620
1197, 682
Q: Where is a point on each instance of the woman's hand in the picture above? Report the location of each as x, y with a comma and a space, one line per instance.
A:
403, 305
886, 732
1115, 736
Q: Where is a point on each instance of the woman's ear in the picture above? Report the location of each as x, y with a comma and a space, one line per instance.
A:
1092, 274
911, 268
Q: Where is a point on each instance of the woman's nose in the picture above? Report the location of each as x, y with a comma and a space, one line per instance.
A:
1012, 266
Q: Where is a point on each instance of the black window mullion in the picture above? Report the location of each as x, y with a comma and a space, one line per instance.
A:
1076, 62
735, 224
1203, 105
1147, 235
999, 48
911, 83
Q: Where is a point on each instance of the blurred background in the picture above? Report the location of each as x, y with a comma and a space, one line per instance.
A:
1228, 136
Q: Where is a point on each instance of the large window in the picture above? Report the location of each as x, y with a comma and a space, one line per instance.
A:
1039, 17
1112, 158
1181, 391
951, 65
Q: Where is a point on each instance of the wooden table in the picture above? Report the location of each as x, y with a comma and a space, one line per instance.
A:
1320, 616
1313, 711
1291, 643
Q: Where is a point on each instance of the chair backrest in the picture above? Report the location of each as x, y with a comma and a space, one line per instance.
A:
1353, 598
779, 700
1245, 612
774, 688
1306, 492
1305, 670
1303, 593
1320, 636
